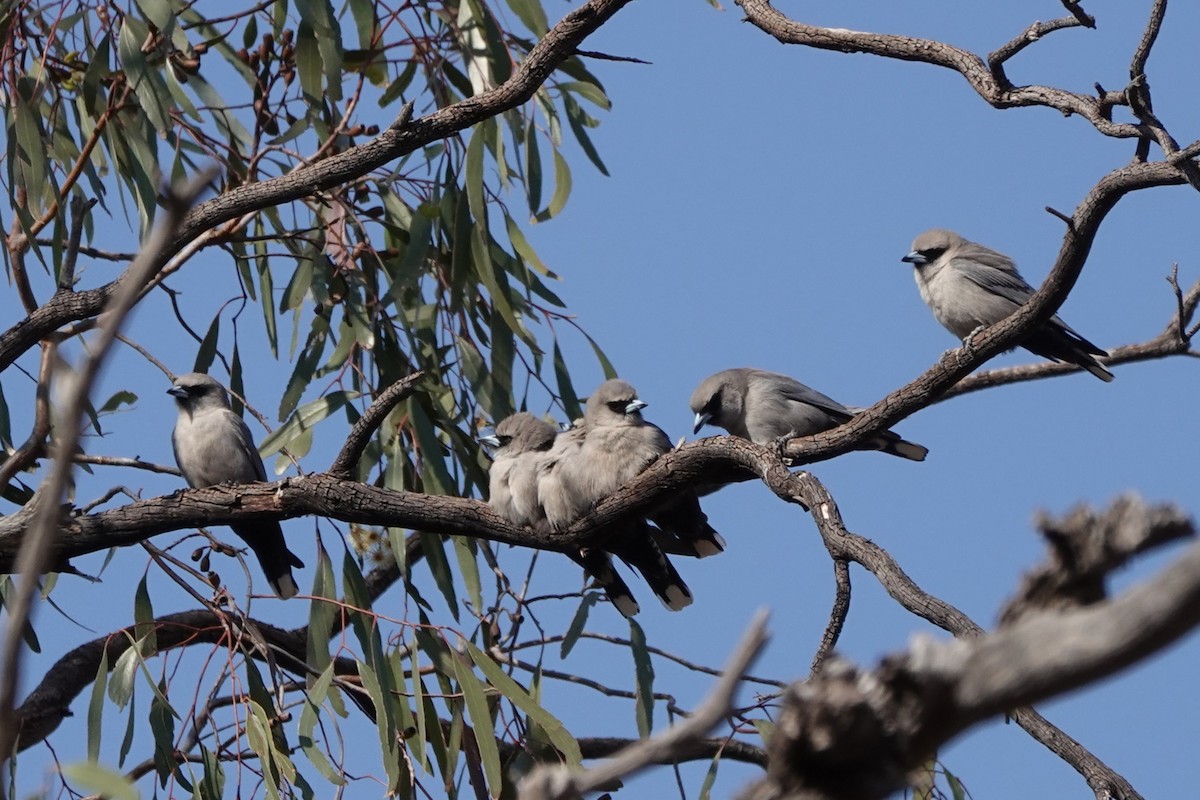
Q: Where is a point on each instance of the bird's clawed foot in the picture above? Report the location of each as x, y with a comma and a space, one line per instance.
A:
969, 340
781, 444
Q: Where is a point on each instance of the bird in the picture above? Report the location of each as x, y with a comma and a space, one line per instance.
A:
569, 485
969, 286
522, 442
213, 446
769, 408
619, 445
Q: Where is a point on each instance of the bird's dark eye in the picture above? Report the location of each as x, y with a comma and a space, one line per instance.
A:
503, 439
618, 405
933, 253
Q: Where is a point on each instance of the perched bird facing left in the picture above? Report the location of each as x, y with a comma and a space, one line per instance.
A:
522, 443
213, 446
766, 407
969, 286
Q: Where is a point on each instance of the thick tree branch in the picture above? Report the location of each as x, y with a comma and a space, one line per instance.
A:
852, 733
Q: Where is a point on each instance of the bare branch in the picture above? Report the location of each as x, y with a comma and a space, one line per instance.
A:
837, 615
366, 426
562, 783
1085, 547
852, 733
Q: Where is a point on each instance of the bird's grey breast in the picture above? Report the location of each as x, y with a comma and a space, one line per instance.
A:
210, 450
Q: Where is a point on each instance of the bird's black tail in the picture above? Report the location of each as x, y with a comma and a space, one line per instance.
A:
1059, 343
270, 548
890, 443
637, 548
683, 517
598, 564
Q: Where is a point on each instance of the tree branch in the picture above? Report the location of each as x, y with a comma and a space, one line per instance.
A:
853, 733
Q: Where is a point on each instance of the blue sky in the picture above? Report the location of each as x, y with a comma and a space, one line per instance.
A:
760, 199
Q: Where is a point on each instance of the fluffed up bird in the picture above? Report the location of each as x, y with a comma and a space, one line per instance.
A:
620, 445
561, 492
522, 443
766, 408
969, 286
213, 446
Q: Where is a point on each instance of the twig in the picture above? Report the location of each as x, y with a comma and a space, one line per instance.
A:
562, 783
837, 615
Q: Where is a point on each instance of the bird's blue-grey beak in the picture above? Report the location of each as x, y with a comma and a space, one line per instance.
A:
702, 419
916, 259
490, 441
177, 391
635, 406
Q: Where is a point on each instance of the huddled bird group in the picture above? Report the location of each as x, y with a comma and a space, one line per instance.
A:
545, 479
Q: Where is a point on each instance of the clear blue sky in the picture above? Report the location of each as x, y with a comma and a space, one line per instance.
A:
760, 199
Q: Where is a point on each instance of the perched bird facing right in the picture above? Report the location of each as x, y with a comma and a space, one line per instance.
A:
522, 443
969, 286
766, 407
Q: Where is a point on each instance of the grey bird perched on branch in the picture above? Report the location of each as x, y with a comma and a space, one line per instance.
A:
522, 443
571, 481
619, 445
768, 408
213, 446
969, 286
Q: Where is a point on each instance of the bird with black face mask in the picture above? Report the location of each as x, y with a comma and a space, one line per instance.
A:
969, 286
522, 443
768, 408
620, 444
213, 446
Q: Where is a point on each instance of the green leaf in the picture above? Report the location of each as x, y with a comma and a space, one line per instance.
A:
143, 617
212, 787
516, 694
96, 709
258, 734
118, 399
481, 722
147, 83
101, 780
309, 715
517, 237
577, 624
464, 551
308, 64
710, 778
566, 391
305, 418
957, 790
384, 725
531, 14
433, 544
322, 611
562, 188
127, 741
644, 678
765, 728
306, 366
162, 726
208, 345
